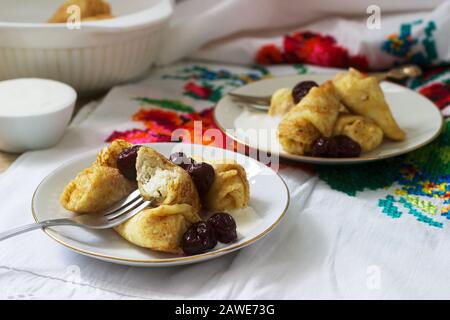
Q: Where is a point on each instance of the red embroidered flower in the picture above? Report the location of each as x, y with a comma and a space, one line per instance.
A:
138, 136
152, 118
359, 62
313, 48
160, 126
326, 54
269, 54
197, 91
439, 93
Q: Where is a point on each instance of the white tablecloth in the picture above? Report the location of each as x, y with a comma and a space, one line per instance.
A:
330, 244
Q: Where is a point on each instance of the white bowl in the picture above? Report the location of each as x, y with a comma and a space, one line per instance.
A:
95, 57
36, 128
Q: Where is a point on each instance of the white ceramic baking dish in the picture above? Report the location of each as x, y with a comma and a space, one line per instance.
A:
95, 57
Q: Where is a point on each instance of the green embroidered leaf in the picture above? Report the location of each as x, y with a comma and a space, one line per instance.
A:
300, 68
353, 178
262, 69
166, 104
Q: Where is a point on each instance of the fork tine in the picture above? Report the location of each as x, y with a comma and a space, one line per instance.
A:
261, 101
244, 96
124, 206
128, 215
257, 107
125, 209
251, 99
132, 197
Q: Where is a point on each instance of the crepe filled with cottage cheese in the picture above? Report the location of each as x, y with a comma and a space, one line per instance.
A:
101, 185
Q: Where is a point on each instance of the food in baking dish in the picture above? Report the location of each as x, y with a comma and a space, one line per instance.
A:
90, 10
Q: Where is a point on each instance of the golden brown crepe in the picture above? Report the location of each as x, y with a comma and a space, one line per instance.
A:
314, 116
89, 10
177, 202
363, 96
230, 189
101, 185
108, 156
359, 129
281, 102
105, 16
159, 228
163, 182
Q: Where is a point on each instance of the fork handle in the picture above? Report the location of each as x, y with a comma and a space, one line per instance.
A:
33, 226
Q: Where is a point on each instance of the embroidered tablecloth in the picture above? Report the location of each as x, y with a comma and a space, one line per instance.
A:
378, 230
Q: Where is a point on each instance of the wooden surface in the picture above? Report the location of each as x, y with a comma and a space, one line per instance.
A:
6, 159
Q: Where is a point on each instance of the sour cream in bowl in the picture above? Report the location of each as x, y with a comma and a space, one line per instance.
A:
34, 113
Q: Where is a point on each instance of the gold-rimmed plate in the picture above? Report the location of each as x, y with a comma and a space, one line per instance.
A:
268, 208
415, 114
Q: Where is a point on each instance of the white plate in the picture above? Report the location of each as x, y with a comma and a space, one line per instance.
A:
415, 114
107, 245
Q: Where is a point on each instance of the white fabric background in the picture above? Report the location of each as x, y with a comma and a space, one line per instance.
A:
232, 30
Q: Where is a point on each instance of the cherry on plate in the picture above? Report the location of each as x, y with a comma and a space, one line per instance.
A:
181, 159
347, 148
203, 175
302, 89
225, 227
325, 148
199, 238
126, 162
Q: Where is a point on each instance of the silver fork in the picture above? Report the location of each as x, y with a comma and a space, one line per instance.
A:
262, 103
119, 213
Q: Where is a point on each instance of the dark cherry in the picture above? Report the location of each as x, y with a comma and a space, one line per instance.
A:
199, 238
347, 148
302, 89
181, 159
203, 175
126, 162
224, 226
325, 148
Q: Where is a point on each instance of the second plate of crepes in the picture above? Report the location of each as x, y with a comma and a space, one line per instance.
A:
417, 116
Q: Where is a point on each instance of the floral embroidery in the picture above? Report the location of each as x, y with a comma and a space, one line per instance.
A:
415, 185
300, 68
269, 54
389, 208
208, 74
160, 125
357, 178
166, 103
312, 48
439, 93
138, 136
203, 92
434, 83
418, 182
430, 75
403, 45
207, 84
